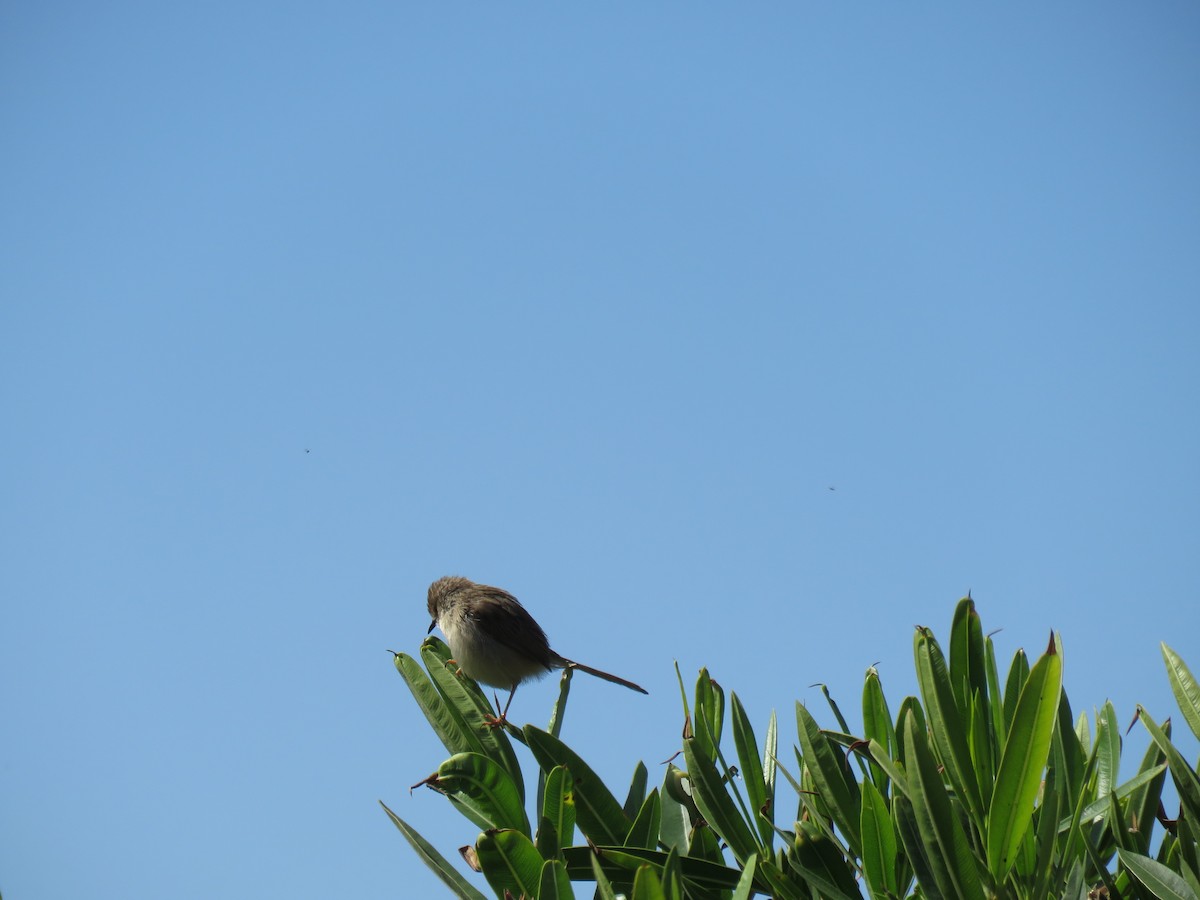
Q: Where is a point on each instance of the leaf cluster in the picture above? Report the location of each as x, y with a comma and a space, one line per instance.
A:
979, 787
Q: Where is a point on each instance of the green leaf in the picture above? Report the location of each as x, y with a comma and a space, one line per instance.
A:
982, 756
446, 722
510, 862
619, 863
1185, 688
1160, 880
879, 844
1026, 751
877, 725
770, 751
967, 662
438, 863
894, 773
909, 706
945, 846
745, 886
1108, 749
1098, 807
1144, 798
557, 714
1046, 823
555, 883
557, 828
946, 723
1182, 774
995, 702
1018, 671
905, 818
834, 781
676, 811
710, 793
817, 860
672, 876
597, 811
469, 706
710, 713
752, 771
647, 885
489, 789
637, 790
643, 833
604, 890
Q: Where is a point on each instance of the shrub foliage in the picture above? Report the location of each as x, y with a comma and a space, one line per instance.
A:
977, 788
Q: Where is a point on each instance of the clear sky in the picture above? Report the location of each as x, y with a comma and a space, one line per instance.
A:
744, 336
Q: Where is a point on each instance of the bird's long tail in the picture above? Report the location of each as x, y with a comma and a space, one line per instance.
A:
571, 664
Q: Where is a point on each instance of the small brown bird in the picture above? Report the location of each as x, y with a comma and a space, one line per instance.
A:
494, 640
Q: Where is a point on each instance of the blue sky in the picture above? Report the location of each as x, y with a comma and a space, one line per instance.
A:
748, 338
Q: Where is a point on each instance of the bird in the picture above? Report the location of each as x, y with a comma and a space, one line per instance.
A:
494, 640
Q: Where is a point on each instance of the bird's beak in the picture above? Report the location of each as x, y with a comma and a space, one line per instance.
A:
432, 625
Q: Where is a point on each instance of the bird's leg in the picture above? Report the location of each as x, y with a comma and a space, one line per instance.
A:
501, 720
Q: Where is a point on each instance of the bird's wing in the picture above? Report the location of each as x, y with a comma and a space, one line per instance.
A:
507, 621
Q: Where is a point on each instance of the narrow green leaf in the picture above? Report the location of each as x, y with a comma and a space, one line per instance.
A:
557, 714
982, 757
877, 725
1185, 688
487, 786
705, 844
710, 713
438, 863
619, 863
1076, 888
597, 811
1144, 798
915, 847
510, 862
1026, 752
745, 886
752, 770
557, 828
637, 790
447, 724
879, 844
677, 811
710, 793
947, 850
647, 885
469, 706
1182, 774
1074, 756
837, 712
672, 876
909, 706
1116, 823
1098, 807
995, 697
770, 751
643, 833
967, 662
894, 773
817, 860
1046, 825
604, 889
833, 779
1018, 671
1108, 749
1160, 880
946, 723
555, 883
